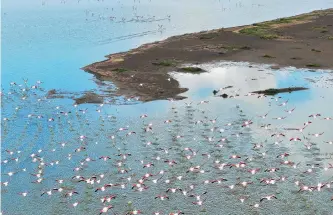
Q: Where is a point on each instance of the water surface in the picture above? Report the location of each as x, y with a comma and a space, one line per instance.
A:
51, 40
192, 120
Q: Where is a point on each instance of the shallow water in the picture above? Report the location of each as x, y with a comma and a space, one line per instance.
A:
51, 42
37, 133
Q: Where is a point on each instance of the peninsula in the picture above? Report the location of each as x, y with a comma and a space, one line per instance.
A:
302, 41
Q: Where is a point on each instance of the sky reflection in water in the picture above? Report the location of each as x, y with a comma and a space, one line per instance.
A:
38, 134
52, 42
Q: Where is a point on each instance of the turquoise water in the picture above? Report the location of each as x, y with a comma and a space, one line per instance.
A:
51, 41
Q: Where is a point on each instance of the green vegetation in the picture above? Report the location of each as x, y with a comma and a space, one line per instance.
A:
269, 36
276, 22
313, 65
289, 19
165, 63
208, 36
315, 50
267, 56
265, 30
229, 47
281, 21
261, 31
235, 47
330, 37
245, 47
191, 69
322, 29
119, 70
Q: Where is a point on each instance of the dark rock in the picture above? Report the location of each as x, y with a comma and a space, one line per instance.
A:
89, 97
53, 94
194, 70
273, 91
224, 95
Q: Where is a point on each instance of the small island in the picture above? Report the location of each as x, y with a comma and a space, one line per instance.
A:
274, 91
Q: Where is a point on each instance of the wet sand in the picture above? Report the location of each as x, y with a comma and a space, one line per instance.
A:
303, 41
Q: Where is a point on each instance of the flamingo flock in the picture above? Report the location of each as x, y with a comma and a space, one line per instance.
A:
88, 160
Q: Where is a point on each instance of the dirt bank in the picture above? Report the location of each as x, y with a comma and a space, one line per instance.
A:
303, 41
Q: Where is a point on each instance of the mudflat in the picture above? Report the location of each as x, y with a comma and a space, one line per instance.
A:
302, 41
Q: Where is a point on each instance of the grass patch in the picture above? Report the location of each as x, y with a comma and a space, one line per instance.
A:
315, 50
320, 28
119, 70
330, 37
267, 56
235, 47
245, 48
165, 63
191, 69
253, 31
269, 36
230, 47
265, 30
313, 65
262, 32
281, 21
263, 24
208, 36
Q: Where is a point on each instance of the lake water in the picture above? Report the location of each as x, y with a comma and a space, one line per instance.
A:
190, 120
51, 41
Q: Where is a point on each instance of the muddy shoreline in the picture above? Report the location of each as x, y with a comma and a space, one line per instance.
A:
302, 41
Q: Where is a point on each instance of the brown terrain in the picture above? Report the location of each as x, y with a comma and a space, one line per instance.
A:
303, 41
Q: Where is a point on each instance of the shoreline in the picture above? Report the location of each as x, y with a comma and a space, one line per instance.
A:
302, 41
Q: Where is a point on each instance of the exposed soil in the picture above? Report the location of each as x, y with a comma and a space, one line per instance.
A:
89, 97
303, 41
53, 94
